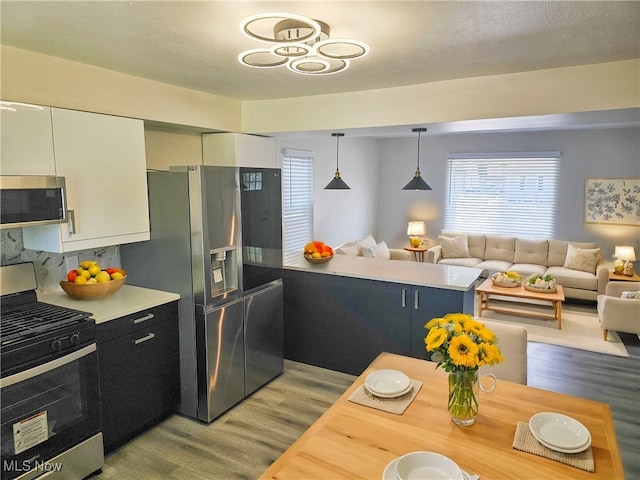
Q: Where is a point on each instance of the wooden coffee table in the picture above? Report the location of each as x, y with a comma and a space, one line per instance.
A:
488, 289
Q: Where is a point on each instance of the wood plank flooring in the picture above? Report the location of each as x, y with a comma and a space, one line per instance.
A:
242, 443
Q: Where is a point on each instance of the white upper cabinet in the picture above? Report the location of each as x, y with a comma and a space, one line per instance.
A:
102, 158
26, 141
239, 150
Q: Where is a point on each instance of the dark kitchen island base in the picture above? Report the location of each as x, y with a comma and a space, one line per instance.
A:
342, 323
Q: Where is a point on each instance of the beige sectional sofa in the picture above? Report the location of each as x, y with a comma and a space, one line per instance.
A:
578, 267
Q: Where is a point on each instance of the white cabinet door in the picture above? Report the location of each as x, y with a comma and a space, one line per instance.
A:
239, 150
27, 141
103, 161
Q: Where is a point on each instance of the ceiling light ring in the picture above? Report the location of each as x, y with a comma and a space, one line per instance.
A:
242, 58
245, 27
344, 64
318, 48
293, 65
307, 50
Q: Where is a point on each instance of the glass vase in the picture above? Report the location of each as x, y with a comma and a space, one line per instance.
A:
463, 397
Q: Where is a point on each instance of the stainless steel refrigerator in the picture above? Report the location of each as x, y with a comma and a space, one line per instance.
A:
216, 239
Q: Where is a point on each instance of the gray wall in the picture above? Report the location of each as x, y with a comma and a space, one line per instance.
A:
595, 153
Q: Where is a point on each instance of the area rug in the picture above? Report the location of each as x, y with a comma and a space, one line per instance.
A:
580, 327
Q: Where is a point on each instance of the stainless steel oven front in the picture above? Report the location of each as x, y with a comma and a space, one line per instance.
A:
50, 417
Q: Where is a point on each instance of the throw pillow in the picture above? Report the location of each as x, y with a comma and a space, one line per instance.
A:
368, 252
367, 241
583, 259
380, 251
349, 248
454, 247
634, 295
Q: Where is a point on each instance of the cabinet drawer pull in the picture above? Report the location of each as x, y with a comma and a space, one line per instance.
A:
415, 300
404, 297
71, 218
143, 319
138, 341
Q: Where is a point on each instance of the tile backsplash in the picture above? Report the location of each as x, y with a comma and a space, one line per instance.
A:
51, 267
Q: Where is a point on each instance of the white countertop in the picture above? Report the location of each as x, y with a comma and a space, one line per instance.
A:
129, 299
397, 271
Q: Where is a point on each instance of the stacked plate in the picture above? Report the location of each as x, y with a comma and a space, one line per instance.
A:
387, 383
560, 432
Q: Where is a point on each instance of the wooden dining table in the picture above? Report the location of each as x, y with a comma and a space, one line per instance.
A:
352, 441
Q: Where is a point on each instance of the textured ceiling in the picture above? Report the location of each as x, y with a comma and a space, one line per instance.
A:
196, 44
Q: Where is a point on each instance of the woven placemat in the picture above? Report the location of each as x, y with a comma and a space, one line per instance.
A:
396, 405
525, 441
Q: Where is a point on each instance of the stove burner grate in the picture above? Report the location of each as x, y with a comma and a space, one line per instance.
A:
34, 319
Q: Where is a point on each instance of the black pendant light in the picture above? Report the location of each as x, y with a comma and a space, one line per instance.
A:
417, 183
337, 183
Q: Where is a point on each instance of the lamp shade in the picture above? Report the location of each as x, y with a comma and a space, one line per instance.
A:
416, 228
625, 253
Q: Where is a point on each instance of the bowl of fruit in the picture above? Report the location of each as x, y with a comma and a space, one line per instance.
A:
508, 279
317, 252
89, 281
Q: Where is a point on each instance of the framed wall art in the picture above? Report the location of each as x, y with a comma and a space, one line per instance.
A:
612, 200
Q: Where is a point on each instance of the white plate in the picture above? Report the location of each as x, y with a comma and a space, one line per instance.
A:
390, 395
390, 472
559, 431
387, 382
564, 450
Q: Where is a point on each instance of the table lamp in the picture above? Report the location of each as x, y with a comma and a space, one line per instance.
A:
414, 230
626, 254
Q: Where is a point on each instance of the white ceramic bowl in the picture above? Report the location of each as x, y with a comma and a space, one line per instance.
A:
427, 466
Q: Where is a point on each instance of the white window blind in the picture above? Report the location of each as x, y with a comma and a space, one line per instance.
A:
504, 194
297, 202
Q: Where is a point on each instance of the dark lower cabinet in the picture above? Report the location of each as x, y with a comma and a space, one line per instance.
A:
138, 363
343, 323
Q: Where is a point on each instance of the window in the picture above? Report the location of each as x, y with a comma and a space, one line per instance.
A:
252, 181
297, 202
504, 194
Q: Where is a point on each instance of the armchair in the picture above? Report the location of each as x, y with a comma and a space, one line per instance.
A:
619, 314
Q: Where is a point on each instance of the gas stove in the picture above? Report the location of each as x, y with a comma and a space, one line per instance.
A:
32, 331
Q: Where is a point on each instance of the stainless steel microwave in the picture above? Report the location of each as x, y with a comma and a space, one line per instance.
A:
32, 200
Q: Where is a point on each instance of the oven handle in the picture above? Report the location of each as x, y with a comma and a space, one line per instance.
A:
47, 367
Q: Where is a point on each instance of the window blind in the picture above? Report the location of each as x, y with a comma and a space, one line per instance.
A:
297, 202
504, 193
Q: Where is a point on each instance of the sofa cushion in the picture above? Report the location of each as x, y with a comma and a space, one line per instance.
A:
570, 278
477, 245
454, 247
495, 265
349, 248
461, 262
500, 248
631, 294
557, 252
526, 269
379, 251
534, 252
584, 259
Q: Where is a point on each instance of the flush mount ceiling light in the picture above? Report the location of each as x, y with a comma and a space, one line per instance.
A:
300, 43
417, 183
337, 183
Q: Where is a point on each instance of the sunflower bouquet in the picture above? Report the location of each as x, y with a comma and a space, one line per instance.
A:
460, 342
461, 345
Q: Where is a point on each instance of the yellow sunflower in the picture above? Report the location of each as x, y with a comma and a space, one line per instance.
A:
435, 338
434, 322
463, 352
473, 326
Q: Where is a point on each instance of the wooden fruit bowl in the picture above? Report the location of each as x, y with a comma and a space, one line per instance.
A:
310, 259
92, 291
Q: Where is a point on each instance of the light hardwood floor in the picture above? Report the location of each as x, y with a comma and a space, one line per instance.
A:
244, 441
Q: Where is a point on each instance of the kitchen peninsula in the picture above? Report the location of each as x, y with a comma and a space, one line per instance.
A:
342, 314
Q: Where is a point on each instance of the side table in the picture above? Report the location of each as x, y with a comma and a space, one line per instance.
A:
617, 277
418, 252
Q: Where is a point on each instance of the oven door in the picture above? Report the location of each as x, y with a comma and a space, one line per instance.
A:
48, 409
